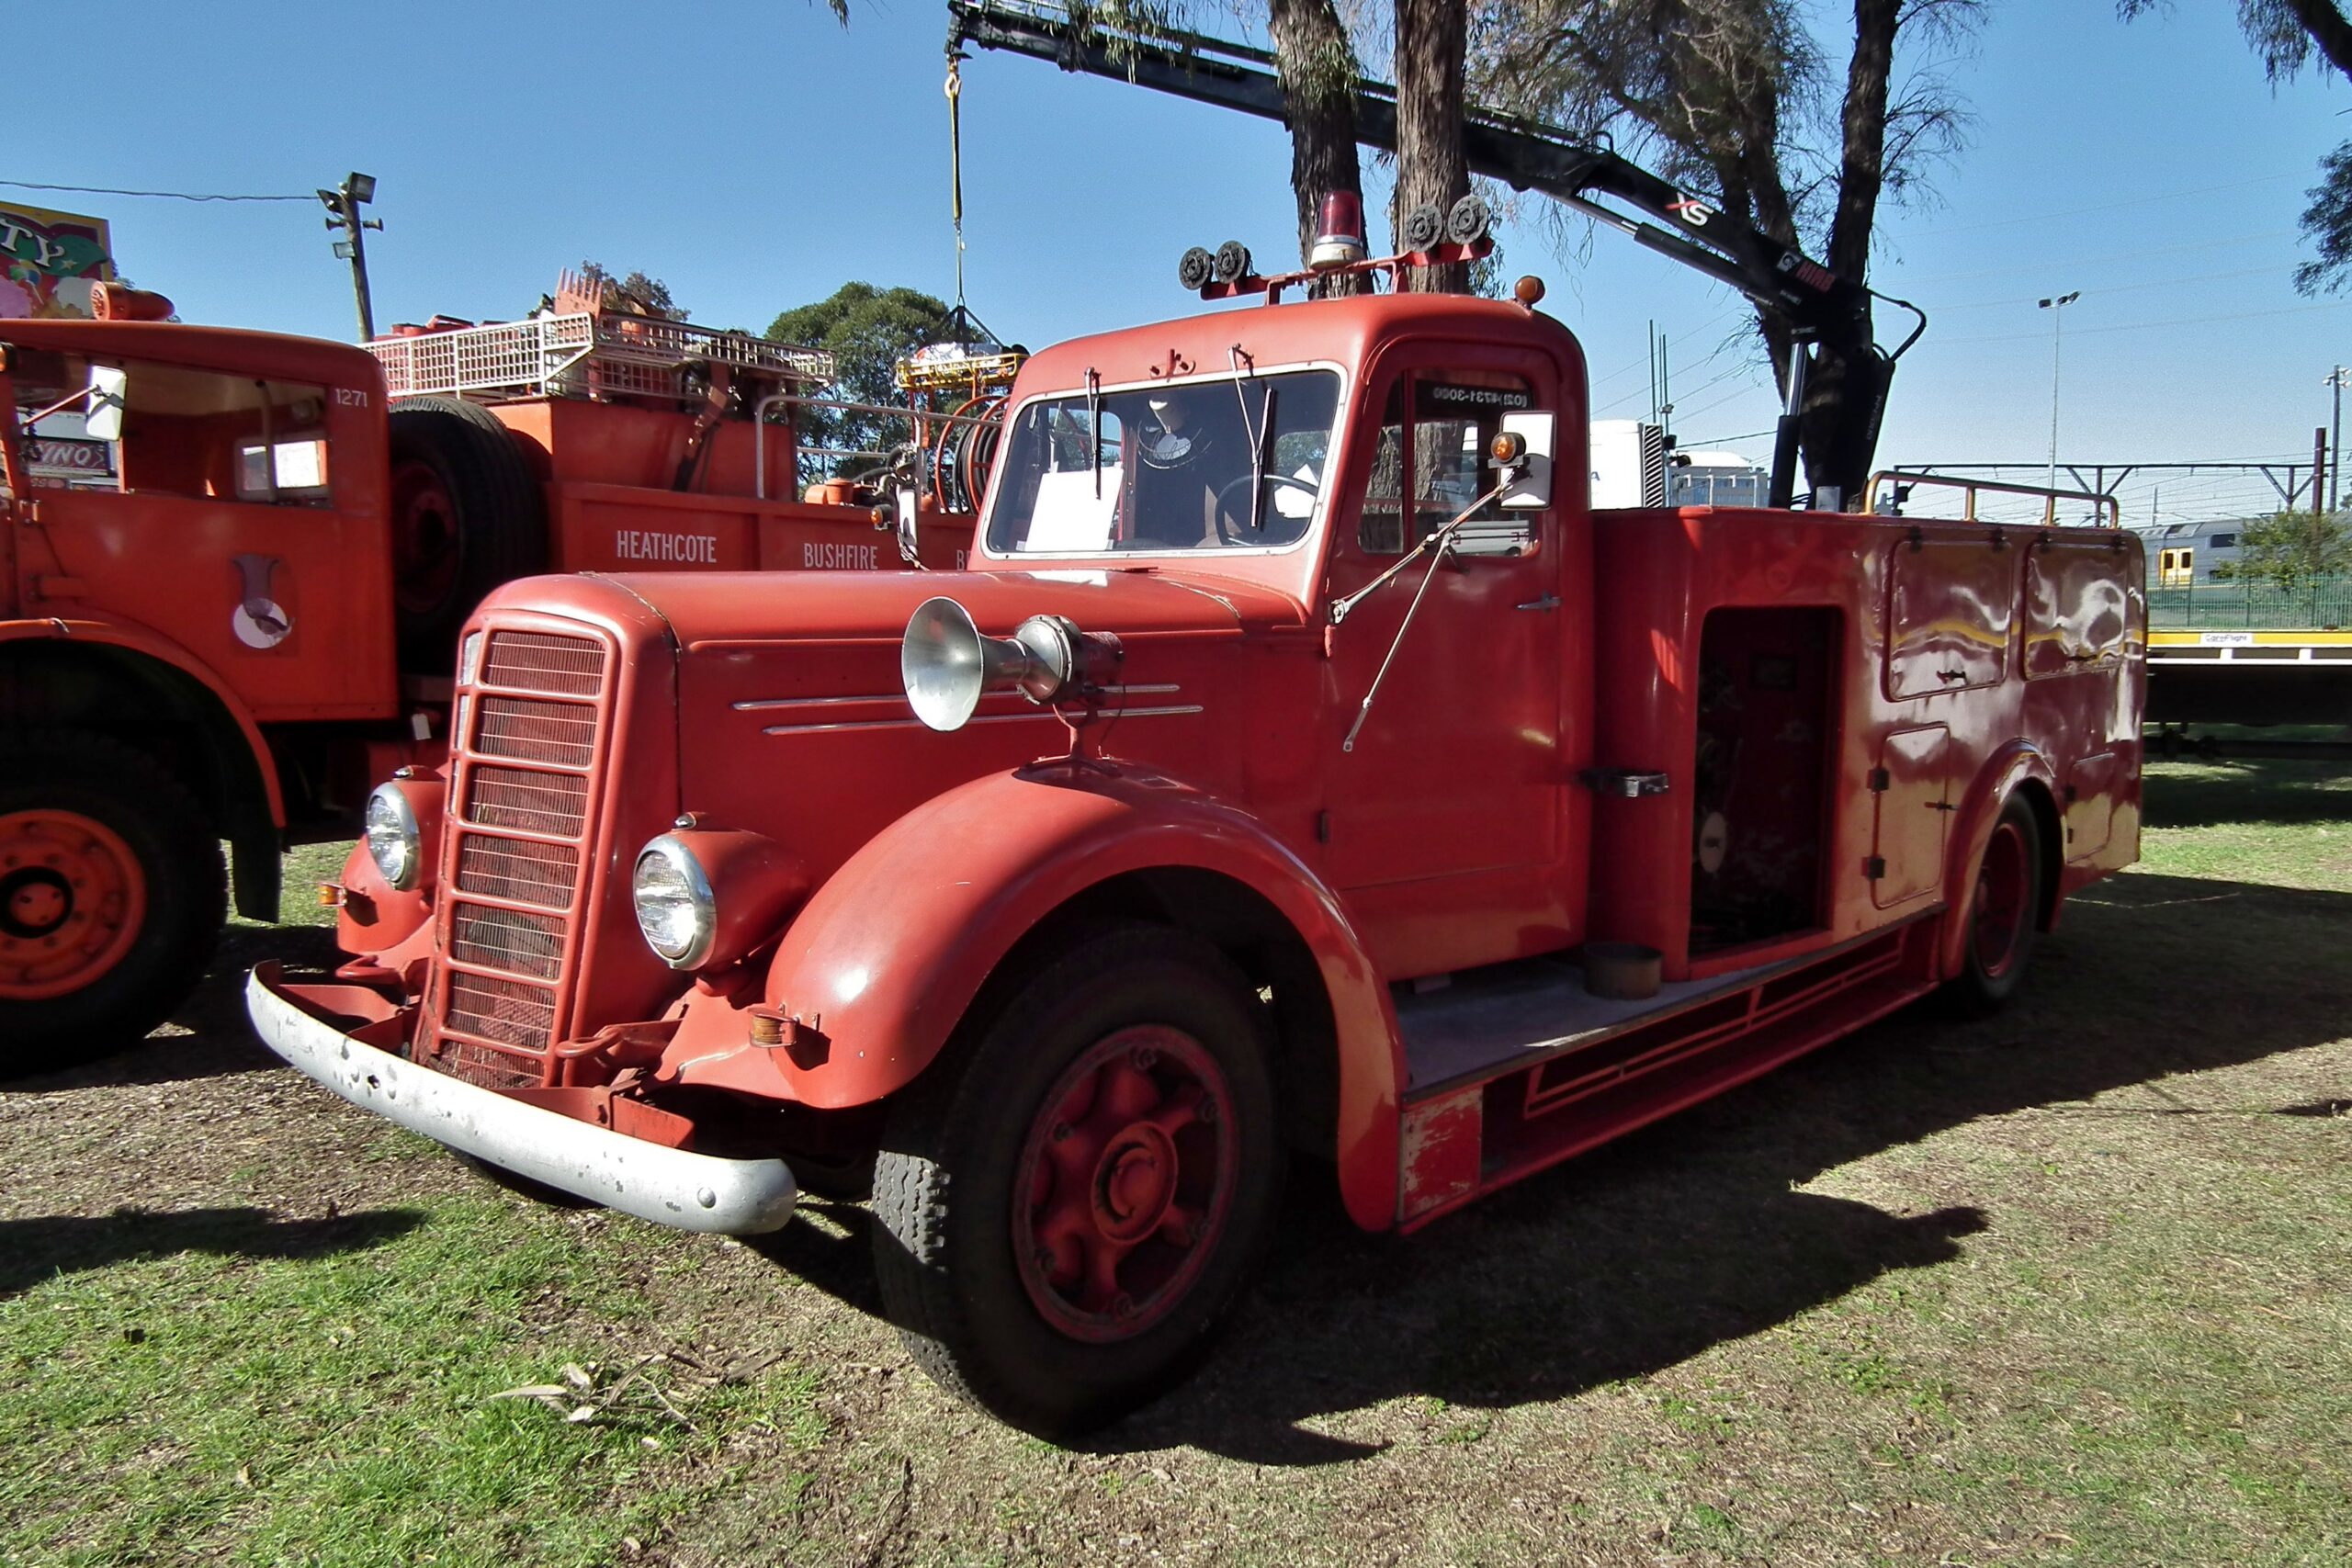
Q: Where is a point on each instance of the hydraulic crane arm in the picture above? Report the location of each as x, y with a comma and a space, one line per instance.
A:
1525, 154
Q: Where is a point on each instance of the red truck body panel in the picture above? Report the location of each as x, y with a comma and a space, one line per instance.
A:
1852, 699
1444, 835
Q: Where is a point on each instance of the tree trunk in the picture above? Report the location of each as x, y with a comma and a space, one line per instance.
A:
2323, 19
1846, 394
1319, 74
1430, 166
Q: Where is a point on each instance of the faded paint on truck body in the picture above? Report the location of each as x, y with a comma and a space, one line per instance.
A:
1464, 839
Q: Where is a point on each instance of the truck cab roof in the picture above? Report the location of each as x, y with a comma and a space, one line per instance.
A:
231, 350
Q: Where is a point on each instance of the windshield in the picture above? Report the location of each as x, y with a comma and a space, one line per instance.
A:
1232, 463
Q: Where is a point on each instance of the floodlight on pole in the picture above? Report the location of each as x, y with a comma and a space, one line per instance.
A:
343, 204
2056, 305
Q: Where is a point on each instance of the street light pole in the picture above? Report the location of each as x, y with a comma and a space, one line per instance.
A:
2056, 306
2336, 378
344, 203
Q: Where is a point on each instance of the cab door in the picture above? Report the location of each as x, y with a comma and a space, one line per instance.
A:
221, 517
1444, 822
13, 484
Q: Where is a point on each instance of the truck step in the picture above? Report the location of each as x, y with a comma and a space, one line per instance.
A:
1557, 1098
1513, 1016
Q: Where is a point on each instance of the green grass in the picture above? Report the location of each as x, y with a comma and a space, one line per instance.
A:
2061, 1287
2276, 822
197, 1397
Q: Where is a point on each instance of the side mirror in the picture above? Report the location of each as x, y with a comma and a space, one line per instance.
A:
109, 389
1538, 430
904, 505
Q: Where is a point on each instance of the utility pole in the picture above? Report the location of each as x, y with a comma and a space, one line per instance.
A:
2336, 378
1665, 393
344, 203
2056, 306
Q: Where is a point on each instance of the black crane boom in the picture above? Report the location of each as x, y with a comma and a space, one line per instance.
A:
1817, 305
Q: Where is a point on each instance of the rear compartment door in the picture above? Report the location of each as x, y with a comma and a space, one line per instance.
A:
1913, 783
1951, 609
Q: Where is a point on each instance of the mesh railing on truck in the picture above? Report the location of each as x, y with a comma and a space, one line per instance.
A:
600, 355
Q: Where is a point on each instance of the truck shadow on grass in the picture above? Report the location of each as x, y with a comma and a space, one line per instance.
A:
1690, 1234
35, 1250
208, 1036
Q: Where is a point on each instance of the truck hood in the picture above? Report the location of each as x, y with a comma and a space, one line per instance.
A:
741, 611
791, 719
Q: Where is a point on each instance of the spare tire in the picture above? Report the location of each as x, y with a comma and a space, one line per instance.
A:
467, 515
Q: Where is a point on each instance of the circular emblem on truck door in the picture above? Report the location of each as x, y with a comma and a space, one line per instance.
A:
261, 623
258, 620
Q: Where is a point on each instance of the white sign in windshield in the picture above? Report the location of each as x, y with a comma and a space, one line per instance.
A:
1073, 512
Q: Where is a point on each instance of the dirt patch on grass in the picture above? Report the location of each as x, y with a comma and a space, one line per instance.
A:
2061, 1287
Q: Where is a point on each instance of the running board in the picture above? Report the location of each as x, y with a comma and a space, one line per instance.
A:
1467, 1137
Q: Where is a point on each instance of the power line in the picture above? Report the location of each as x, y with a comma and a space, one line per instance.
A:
2106, 206
2144, 326
1904, 280
2104, 290
172, 195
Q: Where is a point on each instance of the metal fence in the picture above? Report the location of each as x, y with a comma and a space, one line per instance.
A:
2324, 603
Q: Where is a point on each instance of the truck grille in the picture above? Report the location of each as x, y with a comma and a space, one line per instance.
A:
526, 757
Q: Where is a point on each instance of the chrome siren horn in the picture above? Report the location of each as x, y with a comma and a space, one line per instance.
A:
946, 662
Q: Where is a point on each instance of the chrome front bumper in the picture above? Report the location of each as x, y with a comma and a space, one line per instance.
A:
668, 1186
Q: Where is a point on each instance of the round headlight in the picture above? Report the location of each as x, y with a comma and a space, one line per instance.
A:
394, 842
674, 905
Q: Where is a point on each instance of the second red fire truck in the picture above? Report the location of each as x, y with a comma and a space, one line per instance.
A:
1304, 764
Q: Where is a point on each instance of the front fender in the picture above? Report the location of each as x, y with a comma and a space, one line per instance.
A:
132, 638
889, 954
2018, 763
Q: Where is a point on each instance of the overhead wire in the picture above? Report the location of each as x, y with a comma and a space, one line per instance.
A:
2108, 206
2147, 326
169, 195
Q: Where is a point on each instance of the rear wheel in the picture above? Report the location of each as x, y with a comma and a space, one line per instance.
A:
1067, 1212
112, 894
2004, 903
467, 515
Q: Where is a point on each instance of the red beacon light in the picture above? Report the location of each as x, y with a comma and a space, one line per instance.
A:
1339, 232
113, 302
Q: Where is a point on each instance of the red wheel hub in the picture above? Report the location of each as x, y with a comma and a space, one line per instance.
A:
426, 553
72, 899
2002, 880
1131, 1166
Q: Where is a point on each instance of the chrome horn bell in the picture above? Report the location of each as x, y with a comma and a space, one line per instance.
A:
946, 662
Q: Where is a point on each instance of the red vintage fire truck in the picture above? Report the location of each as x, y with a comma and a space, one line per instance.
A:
233, 565
1303, 764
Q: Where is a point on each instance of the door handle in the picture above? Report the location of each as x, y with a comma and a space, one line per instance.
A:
1549, 602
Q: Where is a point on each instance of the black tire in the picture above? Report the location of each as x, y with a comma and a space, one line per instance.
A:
466, 515
2003, 914
57, 894
974, 1133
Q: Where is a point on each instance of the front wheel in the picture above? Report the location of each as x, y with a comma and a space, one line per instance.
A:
2004, 907
112, 894
1071, 1206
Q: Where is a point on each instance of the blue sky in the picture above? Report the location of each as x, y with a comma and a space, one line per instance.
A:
755, 155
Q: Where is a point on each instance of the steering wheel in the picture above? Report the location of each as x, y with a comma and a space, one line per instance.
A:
1244, 482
